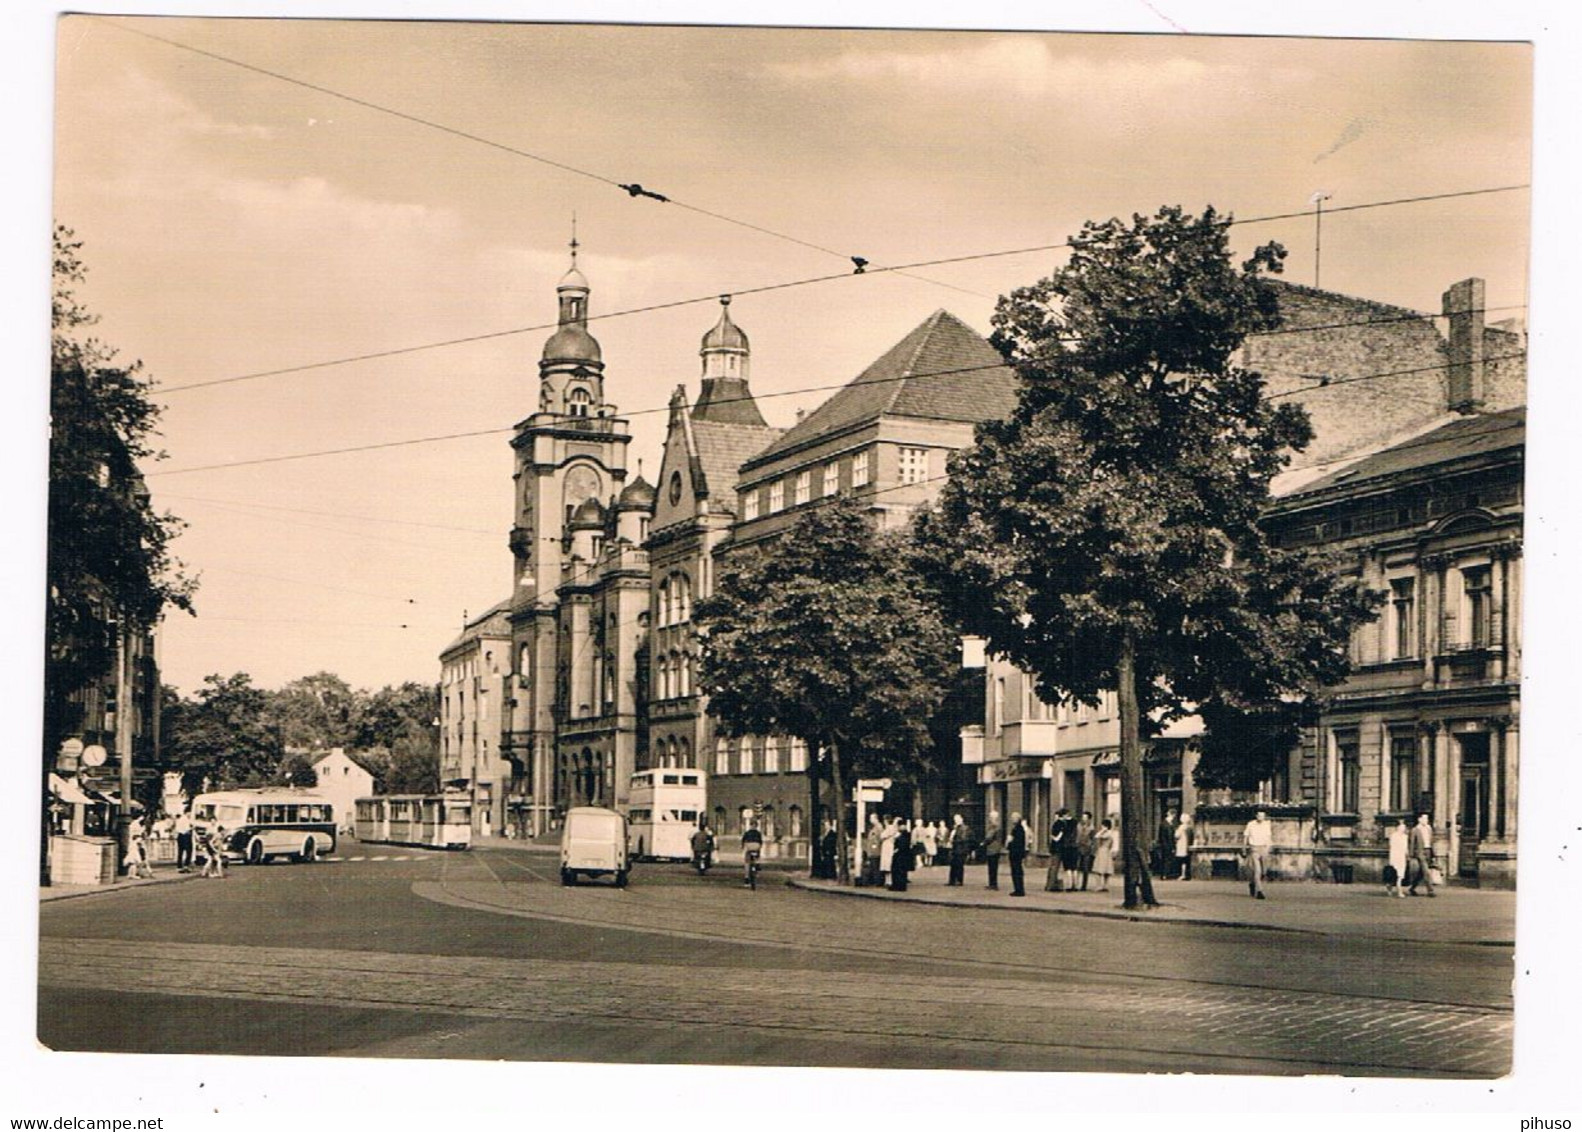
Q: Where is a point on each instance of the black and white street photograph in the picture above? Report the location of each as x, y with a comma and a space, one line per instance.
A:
575, 545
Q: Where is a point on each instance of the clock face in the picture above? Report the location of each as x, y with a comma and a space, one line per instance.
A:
675, 487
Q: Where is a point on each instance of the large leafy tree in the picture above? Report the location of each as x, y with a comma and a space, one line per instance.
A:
1106, 535
109, 569
321, 710
223, 736
827, 635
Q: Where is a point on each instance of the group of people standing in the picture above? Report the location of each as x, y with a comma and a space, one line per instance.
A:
192, 842
1172, 852
1079, 850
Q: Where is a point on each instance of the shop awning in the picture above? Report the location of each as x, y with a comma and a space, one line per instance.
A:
68, 791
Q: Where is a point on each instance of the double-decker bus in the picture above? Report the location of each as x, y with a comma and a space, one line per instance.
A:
663, 809
439, 821
267, 823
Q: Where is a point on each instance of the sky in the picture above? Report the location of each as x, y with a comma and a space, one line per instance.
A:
235, 222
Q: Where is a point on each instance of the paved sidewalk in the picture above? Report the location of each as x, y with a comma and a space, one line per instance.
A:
1455, 915
169, 875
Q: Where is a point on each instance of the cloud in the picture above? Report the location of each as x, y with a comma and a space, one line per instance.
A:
1025, 66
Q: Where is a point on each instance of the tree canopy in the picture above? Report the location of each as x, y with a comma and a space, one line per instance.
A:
825, 634
109, 564
1106, 535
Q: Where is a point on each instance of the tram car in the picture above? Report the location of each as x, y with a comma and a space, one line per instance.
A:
436, 821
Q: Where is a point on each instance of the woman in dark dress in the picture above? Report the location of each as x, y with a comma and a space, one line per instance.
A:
901, 862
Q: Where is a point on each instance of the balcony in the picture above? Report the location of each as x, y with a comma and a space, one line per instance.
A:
972, 744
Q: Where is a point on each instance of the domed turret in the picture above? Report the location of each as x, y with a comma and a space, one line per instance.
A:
571, 346
589, 516
726, 335
726, 355
639, 495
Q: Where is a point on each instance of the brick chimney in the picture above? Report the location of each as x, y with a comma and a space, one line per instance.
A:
1463, 309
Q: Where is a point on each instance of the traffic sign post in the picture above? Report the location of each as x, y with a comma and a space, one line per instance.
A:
867, 790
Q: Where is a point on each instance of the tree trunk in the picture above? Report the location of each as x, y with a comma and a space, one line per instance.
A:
1139, 884
842, 852
815, 827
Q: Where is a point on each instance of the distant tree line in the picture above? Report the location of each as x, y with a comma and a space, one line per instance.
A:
230, 733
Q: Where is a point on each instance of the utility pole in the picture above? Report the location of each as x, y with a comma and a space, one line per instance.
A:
1318, 232
123, 730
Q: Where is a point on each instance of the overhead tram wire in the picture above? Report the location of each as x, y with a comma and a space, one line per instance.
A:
632, 189
1319, 384
713, 296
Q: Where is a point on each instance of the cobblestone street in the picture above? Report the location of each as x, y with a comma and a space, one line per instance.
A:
481, 955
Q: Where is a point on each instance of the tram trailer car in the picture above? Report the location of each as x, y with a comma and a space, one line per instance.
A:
434, 821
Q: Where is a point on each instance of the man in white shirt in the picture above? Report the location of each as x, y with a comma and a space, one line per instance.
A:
1259, 840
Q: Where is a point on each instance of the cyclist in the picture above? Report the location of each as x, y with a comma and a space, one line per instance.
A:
752, 848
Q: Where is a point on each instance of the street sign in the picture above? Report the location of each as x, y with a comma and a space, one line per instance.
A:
870, 795
93, 755
873, 783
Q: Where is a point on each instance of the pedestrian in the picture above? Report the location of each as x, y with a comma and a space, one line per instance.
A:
1395, 870
1165, 846
1422, 855
1258, 840
183, 829
136, 859
1056, 880
993, 846
1016, 850
887, 836
831, 846
1070, 852
870, 851
1104, 853
901, 861
213, 842
1085, 846
926, 836
1183, 849
960, 846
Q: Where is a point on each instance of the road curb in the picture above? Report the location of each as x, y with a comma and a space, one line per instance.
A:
49, 895
824, 888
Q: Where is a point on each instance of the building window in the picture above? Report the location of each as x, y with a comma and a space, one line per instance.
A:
831, 479
772, 755
798, 756
1403, 618
579, 402
859, 470
1479, 606
750, 504
913, 465
1403, 772
804, 487
999, 704
1348, 777
777, 496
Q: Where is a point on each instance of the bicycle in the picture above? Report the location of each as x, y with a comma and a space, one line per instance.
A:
750, 859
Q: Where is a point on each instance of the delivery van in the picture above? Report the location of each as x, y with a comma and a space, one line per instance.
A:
593, 843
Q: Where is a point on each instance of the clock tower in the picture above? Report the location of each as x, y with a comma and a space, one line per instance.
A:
571, 450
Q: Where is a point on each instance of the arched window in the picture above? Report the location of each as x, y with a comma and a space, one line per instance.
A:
684, 753
794, 821
664, 678
719, 819
683, 586
664, 603
579, 402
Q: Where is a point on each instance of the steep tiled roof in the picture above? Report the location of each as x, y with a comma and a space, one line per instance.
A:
722, 449
492, 622
729, 401
943, 370
1472, 436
